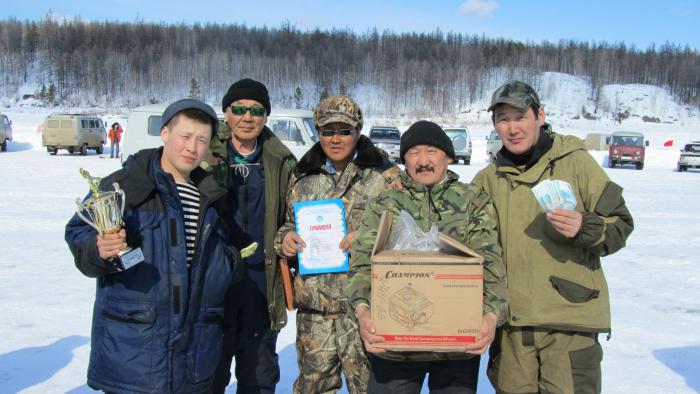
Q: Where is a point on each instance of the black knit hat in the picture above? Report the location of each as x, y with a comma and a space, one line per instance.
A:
426, 133
247, 89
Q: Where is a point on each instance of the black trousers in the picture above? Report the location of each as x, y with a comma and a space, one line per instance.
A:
406, 377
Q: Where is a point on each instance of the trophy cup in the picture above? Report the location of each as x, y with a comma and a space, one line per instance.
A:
104, 212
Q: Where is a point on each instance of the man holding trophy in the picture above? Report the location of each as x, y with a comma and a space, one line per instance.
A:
156, 246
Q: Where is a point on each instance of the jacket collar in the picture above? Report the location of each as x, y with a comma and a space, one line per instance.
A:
368, 156
142, 175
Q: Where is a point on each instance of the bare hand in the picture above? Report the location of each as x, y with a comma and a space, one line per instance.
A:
347, 241
567, 223
486, 334
292, 243
108, 245
367, 331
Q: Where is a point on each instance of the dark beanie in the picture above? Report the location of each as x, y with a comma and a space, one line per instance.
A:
426, 133
247, 89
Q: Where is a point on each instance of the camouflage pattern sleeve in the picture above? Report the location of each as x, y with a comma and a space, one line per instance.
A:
482, 233
358, 286
289, 216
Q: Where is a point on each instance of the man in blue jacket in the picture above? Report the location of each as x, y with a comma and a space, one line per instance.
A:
157, 326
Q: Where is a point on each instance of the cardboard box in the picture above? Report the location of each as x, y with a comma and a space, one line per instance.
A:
426, 301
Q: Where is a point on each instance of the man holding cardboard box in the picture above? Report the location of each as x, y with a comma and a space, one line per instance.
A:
558, 295
431, 194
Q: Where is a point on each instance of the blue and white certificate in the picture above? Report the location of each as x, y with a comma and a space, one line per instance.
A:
321, 224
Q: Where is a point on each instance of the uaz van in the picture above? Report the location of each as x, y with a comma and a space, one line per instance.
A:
73, 132
5, 131
295, 127
627, 147
462, 143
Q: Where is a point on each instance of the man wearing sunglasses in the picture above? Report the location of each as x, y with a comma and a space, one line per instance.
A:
344, 164
254, 166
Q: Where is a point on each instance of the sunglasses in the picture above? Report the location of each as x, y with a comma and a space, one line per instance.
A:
241, 110
331, 133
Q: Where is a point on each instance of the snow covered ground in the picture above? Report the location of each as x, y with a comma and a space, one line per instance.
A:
47, 304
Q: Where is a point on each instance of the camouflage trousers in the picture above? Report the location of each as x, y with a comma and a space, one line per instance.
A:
327, 345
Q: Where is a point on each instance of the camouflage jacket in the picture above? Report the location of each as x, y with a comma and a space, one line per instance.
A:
279, 163
554, 281
363, 179
461, 211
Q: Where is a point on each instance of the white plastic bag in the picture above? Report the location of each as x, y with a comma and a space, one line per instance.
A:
406, 235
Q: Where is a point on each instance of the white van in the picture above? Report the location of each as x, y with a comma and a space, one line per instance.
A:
493, 145
294, 127
5, 131
73, 132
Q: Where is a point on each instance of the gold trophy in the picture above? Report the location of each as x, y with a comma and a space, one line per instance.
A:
104, 212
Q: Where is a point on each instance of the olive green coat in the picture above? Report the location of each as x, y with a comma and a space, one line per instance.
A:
554, 281
278, 163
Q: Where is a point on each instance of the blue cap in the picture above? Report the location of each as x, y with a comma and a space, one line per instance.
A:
185, 104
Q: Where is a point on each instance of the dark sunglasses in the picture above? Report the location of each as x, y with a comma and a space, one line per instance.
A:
241, 110
331, 133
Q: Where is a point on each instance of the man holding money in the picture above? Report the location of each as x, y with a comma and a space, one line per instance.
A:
558, 297
157, 325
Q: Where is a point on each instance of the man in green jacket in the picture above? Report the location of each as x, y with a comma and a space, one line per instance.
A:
343, 165
431, 194
558, 297
254, 166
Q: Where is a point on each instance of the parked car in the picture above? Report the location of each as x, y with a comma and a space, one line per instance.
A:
493, 145
73, 132
690, 156
387, 138
5, 132
627, 147
293, 126
462, 143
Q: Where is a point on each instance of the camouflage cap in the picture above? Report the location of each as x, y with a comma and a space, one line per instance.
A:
516, 93
341, 109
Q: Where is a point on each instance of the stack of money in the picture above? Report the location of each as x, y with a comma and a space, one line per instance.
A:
554, 194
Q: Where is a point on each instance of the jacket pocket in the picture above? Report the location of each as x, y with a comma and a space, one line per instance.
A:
572, 291
204, 355
585, 369
124, 342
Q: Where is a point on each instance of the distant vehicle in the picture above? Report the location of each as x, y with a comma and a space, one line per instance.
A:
627, 147
387, 138
294, 127
493, 145
73, 132
690, 156
462, 143
5, 132
597, 141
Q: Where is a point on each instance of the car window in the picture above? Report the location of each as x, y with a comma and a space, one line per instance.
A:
154, 125
309, 122
286, 130
66, 124
387, 134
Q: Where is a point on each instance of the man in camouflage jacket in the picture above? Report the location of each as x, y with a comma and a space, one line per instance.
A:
343, 165
558, 295
431, 194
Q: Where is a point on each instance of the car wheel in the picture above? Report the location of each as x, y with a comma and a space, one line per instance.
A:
52, 151
467, 160
71, 150
3, 146
611, 164
640, 166
99, 150
83, 149
682, 168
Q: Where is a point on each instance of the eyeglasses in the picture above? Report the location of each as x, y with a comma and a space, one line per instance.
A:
331, 133
241, 110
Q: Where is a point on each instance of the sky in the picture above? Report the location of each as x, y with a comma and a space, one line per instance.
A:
640, 23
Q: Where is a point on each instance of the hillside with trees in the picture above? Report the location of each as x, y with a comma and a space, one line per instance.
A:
75, 62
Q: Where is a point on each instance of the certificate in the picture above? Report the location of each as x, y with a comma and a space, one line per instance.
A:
321, 224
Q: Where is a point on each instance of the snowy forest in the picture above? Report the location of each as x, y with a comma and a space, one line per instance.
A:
77, 63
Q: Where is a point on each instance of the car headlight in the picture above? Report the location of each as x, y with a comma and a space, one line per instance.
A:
614, 151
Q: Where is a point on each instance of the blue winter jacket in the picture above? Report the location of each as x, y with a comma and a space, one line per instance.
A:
157, 327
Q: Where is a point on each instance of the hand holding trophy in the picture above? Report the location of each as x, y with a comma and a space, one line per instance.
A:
104, 212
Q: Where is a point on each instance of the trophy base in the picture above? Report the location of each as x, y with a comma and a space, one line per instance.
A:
127, 258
